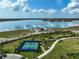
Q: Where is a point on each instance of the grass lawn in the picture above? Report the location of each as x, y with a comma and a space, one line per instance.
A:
13, 33
60, 49
10, 47
69, 28
69, 45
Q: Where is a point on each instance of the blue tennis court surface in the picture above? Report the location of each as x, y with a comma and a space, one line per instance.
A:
29, 46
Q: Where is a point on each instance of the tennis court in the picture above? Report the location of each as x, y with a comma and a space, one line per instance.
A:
29, 46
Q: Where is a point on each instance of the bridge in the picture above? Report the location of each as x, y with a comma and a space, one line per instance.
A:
45, 19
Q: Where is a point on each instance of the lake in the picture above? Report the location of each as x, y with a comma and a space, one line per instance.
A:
30, 24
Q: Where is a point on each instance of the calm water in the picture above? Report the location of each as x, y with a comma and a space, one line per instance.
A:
29, 24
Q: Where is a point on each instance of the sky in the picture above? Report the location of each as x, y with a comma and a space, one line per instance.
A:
39, 8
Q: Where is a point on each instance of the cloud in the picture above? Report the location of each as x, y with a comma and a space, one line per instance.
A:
72, 7
17, 5
34, 10
5, 4
41, 10
49, 11
24, 6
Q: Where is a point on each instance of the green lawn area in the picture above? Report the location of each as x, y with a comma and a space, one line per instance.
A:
69, 45
13, 33
69, 28
10, 47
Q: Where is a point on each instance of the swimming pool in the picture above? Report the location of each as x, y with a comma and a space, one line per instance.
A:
29, 46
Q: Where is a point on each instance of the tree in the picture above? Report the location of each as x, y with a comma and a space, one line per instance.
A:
1, 48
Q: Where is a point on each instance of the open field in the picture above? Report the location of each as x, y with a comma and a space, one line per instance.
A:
69, 45
10, 47
69, 28
13, 33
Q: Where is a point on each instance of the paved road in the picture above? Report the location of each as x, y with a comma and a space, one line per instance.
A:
4, 40
42, 48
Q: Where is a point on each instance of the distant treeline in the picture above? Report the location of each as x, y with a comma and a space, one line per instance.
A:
45, 19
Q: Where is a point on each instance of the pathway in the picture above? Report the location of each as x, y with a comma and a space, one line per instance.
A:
52, 47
